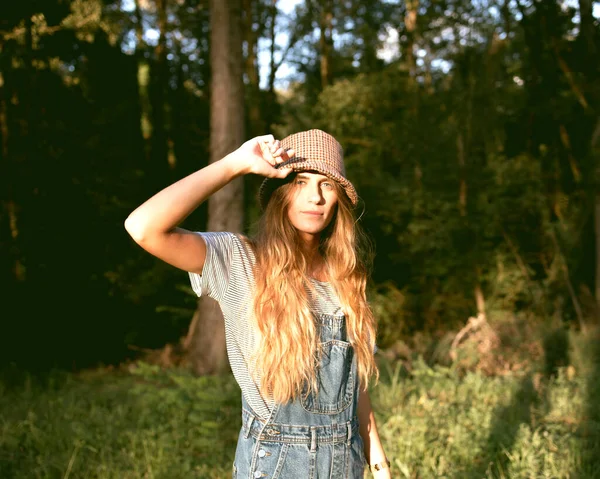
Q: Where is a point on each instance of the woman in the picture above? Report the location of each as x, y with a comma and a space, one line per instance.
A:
300, 335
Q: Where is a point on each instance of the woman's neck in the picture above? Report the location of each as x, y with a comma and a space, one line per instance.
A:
315, 263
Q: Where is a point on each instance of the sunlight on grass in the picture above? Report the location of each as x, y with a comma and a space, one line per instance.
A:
144, 422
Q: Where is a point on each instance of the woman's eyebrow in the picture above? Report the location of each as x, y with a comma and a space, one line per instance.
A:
306, 177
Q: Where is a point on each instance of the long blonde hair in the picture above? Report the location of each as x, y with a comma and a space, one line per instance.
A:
288, 346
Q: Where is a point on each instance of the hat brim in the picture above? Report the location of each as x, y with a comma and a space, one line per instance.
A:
269, 185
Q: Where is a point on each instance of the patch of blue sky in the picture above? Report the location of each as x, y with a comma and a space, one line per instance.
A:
286, 71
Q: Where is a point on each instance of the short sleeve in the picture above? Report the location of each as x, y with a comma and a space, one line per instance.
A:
214, 280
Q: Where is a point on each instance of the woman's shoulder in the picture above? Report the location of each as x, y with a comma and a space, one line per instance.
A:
247, 245
243, 241
235, 243
224, 236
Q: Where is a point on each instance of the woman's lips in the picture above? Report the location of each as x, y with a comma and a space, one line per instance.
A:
313, 213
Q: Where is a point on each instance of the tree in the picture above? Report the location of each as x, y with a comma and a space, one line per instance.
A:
251, 28
588, 43
225, 207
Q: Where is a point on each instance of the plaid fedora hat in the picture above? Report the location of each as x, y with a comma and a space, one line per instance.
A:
315, 151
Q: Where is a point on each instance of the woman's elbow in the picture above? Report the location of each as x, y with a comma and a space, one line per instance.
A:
135, 229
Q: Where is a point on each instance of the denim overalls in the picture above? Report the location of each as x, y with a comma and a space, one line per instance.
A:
315, 436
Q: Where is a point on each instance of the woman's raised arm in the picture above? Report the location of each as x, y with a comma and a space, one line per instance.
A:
153, 225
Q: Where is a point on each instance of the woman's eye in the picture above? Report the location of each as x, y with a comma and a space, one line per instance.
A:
300, 182
328, 185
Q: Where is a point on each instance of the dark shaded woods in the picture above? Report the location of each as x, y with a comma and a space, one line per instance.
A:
474, 145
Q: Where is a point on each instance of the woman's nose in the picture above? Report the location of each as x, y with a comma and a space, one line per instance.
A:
315, 195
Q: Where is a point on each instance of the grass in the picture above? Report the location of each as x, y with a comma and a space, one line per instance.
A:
438, 422
440, 425
128, 424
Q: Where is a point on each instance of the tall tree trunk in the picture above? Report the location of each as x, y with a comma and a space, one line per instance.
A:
587, 27
326, 42
292, 40
273, 68
462, 189
160, 77
225, 207
479, 299
465, 119
507, 18
7, 175
597, 232
271, 99
251, 68
143, 80
21, 150
595, 152
587, 37
410, 26
462, 206
410, 62
178, 101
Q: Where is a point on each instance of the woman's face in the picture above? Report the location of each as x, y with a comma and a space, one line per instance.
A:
313, 201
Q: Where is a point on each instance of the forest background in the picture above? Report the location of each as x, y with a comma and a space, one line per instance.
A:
471, 131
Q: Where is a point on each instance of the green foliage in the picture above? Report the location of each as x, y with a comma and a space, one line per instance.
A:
388, 305
450, 202
476, 165
434, 421
143, 423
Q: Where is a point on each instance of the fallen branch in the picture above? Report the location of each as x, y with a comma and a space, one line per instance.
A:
473, 323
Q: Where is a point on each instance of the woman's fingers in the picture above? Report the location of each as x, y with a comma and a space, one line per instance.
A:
288, 154
266, 138
274, 145
266, 152
283, 172
264, 147
273, 153
277, 151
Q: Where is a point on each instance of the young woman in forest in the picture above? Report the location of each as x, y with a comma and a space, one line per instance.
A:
300, 335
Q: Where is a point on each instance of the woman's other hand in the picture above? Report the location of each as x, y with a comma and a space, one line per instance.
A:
383, 474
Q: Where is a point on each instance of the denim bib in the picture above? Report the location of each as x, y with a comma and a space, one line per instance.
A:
315, 436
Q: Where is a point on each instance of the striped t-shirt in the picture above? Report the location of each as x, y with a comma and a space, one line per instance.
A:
227, 277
